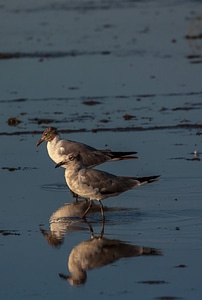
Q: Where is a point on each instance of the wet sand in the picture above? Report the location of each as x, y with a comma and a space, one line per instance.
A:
119, 75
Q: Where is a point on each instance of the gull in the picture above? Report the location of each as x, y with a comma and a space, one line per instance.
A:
58, 149
96, 184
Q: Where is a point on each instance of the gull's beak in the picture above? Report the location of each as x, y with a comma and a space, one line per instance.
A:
73, 281
63, 276
67, 277
60, 164
39, 142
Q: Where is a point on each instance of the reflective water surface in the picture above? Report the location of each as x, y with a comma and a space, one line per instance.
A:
122, 75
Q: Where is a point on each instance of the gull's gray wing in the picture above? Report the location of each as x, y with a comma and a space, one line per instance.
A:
107, 184
91, 156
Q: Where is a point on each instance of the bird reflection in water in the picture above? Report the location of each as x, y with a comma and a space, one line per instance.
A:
67, 218
97, 252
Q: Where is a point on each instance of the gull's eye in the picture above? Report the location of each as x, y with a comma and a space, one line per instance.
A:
71, 157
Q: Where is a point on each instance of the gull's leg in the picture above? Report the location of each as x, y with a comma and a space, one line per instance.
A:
74, 196
87, 210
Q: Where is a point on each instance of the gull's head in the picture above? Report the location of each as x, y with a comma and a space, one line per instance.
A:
48, 135
71, 159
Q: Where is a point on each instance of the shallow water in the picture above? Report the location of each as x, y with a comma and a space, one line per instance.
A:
113, 74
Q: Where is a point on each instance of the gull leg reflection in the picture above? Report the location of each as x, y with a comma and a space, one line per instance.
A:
92, 231
103, 227
100, 251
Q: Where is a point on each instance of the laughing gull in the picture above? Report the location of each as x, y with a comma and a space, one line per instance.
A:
95, 184
58, 149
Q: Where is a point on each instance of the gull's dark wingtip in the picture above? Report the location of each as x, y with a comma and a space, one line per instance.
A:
153, 178
148, 179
